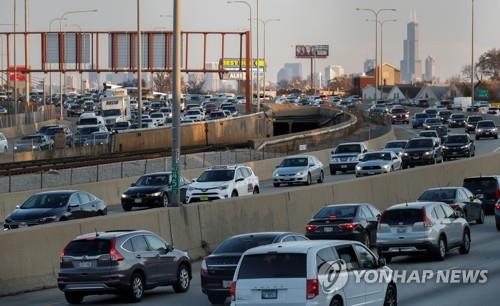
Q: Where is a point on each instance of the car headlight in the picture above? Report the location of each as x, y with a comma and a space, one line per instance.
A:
429, 153
405, 154
386, 167
190, 188
156, 194
48, 219
358, 168
494, 130
299, 173
223, 187
8, 220
464, 147
124, 196
33, 147
15, 147
479, 130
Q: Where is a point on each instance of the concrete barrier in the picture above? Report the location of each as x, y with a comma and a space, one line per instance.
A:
26, 129
30, 260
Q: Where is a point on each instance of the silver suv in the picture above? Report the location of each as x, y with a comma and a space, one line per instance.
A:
422, 227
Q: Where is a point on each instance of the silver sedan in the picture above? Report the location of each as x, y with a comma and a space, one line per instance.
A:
378, 163
299, 170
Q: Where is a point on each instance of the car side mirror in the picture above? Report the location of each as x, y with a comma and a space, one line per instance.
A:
169, 249
193, 181
382, 262
240, 179
133, 185
73, 204
311, 165
18, 206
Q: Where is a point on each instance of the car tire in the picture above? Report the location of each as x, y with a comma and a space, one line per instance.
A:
480, 220
321, 178
217, 299
391, 295
333, 172
126, 207
234, 194
164, 200
309, 180
256, 190
336, 301
276, 185
465, 247
136, 288
440, 251
73, 298
183, 279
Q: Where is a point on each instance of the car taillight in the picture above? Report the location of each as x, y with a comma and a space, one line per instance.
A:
454, 205
425, 219
312, 288
497, 206
204, 268
113, 252
232, 291
498, 194
311, 228
348, 227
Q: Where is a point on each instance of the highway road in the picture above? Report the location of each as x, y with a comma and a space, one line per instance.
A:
485, 248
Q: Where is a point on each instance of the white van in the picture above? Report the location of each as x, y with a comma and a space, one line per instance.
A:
90, 119
300, 273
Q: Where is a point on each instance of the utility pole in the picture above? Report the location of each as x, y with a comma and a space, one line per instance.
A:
176, 105
258, 59
27, 76
139, 65
473, 68
15, 63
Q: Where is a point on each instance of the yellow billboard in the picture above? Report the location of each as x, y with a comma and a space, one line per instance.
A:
237, 64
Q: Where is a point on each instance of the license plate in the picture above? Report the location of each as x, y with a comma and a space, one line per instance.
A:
269, 294
454, 153
21, 225
328, 229
203, 198
138, 201
85, 264
226, 284
371, 172
343, 166
401, 230
416, 157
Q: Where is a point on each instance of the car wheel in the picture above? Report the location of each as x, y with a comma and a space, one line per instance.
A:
234, 194
164, 200
126, 207
440, 252
332, 172
183, 279
321, 178
136, 288
256, 190
391, 295
73, 298
276, 185
465, 247
217, 299
336, 302
480, 220
309, 181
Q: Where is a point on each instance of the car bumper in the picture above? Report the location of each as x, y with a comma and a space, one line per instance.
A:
205, 197
486, 134
290, 179
344, 166
142, 202
215, 284
401, 249
421, 160
107, 284
450, 153
355, 236
360, 173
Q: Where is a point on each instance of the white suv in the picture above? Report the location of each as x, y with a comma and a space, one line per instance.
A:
222, 182
301, 273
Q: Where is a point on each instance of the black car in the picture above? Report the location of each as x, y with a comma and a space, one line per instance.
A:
471, 123
345, 222
460, 145
485, 188
456, 120
400, 115
444, 115
124, 262
217, 269
486, 128
459, 198
53, 206
422, 151
152, 190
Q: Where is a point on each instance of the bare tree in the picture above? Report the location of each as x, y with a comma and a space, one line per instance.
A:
162, 82
195, 84
489, 64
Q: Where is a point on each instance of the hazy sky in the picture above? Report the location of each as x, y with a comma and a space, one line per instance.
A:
444, 25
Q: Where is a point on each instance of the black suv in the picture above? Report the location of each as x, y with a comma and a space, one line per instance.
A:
460, 145
121, 262
422, 151
485, 188
471, 123
218, 268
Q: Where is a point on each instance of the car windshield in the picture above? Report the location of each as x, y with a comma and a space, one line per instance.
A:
420, 143
121, 124
88, 121
193, 113
431, 111
376, 156
421, 116
88, 130
428, 134
157, 115
474, 119
438, 195
457, 116
53, 131
456, 139
398, 111
396, 145
444, 113
294, 162
111, 112
43, 129
35, 139
486, 124
401, 216
53, 200
433, 121
274, 266
154, 180
342, 149
338, 212
216, 176
241, 244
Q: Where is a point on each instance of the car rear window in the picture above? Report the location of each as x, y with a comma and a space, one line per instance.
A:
484, 184
441, 195
241, 244
339, 212
401, 216
273, 266
88, 247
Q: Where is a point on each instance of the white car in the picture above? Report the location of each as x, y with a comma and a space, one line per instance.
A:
4, 144
222, 182
311, 273
374, 163
194, 114
158, 118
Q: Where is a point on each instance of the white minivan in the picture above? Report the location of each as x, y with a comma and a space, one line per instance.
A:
310, 273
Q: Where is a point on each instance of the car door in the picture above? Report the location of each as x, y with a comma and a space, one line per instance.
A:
87, 207
326, 263
374, 291
371, 223
454, 225
472, 205
184, 184
354, 292
164, 260
147, 258
75, 207
396, 161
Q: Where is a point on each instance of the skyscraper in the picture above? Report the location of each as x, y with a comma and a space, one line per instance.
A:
332, 72
411, 65
290, 71
430, 69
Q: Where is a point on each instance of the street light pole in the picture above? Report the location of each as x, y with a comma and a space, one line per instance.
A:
139, 65
258, 59
376, 14
27, 80
176, 104
251, 47
61, 73
15, 63
264, 23
473, 68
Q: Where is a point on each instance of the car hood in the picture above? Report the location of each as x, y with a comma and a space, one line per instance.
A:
455, 144
418, 150
395, 150
290, 170
208, 185
374, 163
143, 189
34, 213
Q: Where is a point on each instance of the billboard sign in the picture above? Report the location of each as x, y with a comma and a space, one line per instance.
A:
18, 75
241, 64
234, 76
312, 51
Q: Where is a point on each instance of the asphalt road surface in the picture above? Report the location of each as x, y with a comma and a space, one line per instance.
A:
485, 247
